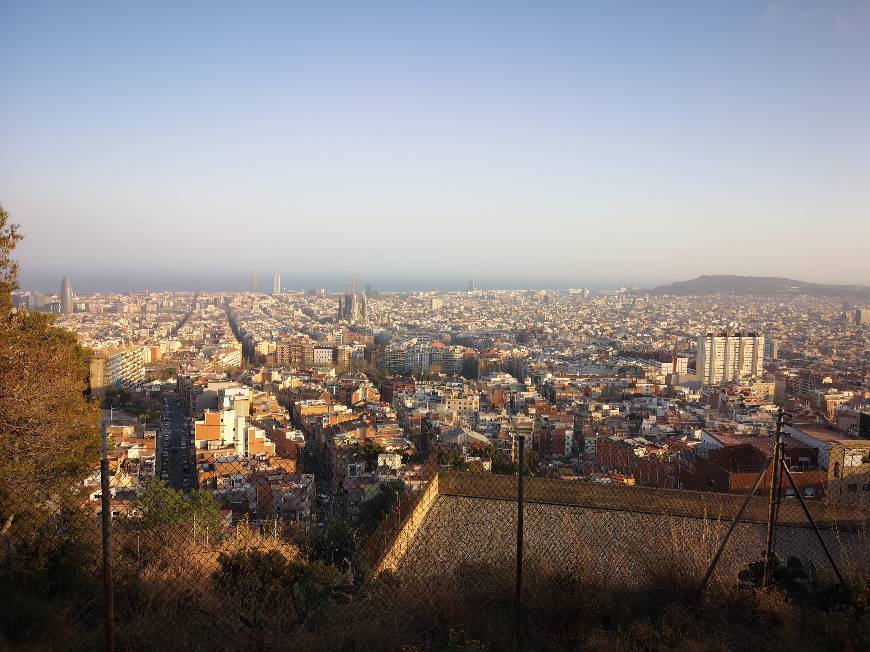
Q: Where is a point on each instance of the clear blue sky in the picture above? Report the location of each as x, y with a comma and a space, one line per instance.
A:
576, 142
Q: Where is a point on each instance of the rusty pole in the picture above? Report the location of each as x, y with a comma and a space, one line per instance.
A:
520, 499
106, 519
773, 502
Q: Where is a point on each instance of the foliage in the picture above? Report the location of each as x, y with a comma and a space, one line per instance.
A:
419, 456
373, 510
161, 506
335, 544
433, 372
49, 430
373, 373
133, 403
9, 237
789, 579
369, 452
49, 440
453, 459
168, 373
501, 462
265, 583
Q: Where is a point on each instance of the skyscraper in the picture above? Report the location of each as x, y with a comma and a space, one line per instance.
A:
255, 282
276, 283
66, 297
726, 357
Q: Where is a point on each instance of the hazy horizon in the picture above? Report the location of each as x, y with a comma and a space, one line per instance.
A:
89, 283
560, 143
180, 281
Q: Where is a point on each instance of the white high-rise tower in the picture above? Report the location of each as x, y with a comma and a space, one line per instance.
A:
726, 357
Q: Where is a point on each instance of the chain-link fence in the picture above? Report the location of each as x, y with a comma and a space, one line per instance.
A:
252, 548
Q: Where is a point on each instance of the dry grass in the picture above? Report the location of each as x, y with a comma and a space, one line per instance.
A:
594, 580
473, 608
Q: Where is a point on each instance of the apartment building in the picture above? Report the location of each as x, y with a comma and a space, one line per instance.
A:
324, 356
298, 352
847, 461
726, 357
118, 367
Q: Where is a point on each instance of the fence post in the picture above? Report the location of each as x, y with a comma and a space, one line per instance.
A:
773, 505
106, 522
520, 499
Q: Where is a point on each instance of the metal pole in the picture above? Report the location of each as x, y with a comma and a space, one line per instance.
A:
815, 527
734, 522
773, 502
520, 497
107, 555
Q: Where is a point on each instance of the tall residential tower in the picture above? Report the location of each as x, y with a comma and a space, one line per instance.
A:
276, 283
726, 357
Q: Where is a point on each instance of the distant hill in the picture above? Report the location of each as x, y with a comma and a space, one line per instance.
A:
760, 286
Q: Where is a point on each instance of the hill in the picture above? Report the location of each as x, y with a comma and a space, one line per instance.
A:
760, 286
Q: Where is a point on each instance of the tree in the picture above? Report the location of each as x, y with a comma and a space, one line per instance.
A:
373, 510
9, 237
501, 462
433, 372
369, 452
162, 506
264, 585
167, 373
49, 430
456, 461
335, 544
373, 373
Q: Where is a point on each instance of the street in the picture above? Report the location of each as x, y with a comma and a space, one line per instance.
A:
175, 466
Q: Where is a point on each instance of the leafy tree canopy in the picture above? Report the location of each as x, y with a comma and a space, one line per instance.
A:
162, 506
49, 429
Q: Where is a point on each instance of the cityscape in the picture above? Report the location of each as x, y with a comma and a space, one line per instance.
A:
617, 387
434, 327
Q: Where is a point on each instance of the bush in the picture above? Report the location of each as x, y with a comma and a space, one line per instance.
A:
266, 585
336, 544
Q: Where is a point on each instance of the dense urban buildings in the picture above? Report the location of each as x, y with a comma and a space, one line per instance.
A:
604, 387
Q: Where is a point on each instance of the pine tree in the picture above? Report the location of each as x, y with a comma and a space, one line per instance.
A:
49, 429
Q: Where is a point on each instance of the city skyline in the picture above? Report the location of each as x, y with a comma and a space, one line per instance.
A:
633, 145
90, 283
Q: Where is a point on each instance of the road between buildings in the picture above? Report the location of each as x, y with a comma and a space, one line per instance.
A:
175, 466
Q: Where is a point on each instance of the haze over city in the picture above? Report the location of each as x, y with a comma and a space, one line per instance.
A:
187, 145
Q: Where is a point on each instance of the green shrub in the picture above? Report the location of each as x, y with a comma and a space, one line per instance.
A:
269, 587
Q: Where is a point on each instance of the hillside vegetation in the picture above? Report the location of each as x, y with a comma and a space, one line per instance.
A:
760, 286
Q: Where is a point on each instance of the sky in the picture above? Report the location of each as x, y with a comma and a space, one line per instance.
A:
186, 145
